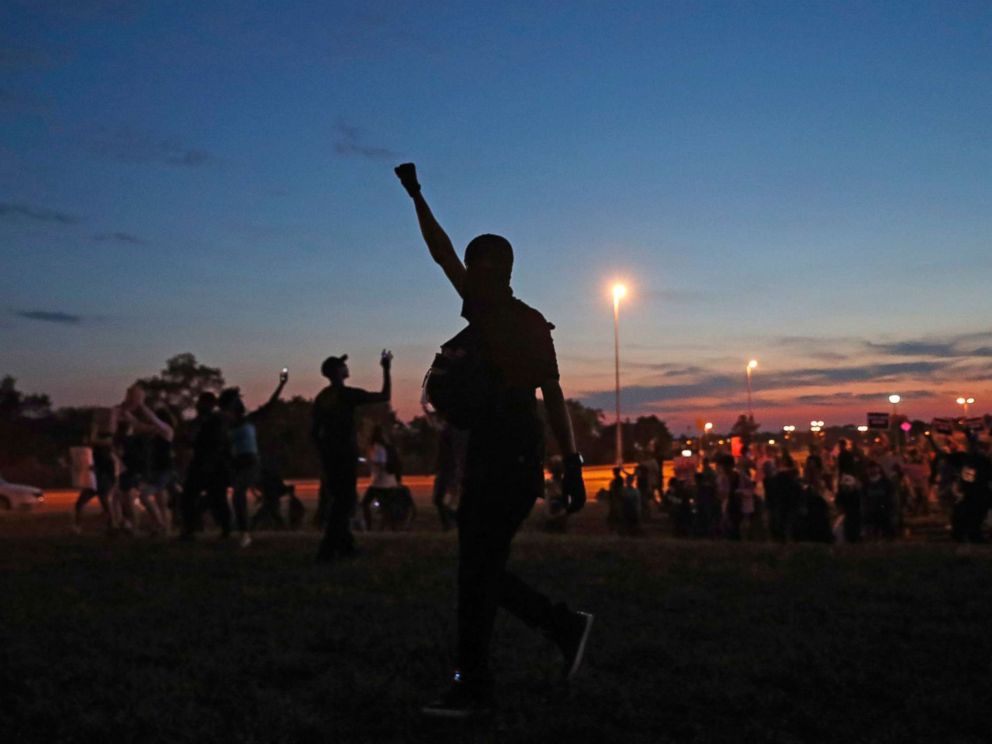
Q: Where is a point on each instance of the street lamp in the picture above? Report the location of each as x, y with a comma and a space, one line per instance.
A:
619, 292
965, 402
894, 400
751, 366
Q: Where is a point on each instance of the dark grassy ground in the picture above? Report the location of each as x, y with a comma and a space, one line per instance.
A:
137, 640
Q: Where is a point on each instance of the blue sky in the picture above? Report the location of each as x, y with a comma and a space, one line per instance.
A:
805, 183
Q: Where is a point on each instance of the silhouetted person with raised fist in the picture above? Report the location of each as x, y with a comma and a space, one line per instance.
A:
485, 382
333, 431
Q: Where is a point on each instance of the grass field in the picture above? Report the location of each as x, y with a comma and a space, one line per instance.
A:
133, 640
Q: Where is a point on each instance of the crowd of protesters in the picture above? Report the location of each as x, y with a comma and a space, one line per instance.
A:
840, 494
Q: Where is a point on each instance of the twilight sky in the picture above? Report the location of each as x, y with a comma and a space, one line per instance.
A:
805, 183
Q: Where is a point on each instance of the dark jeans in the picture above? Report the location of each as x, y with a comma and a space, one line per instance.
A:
496, 498
339, 490
214, 485
442, 483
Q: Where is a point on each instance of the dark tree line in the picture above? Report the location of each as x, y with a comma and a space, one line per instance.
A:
35, 438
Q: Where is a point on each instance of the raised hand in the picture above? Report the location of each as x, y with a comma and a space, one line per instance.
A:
573, 489
407, 173
386, 360
283, 376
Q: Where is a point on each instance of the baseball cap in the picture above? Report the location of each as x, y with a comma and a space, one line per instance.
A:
332, 363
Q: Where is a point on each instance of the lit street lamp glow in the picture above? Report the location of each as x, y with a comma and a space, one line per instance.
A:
965, 403
894, 399
619, 292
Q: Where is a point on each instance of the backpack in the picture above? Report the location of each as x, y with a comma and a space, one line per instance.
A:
460, 384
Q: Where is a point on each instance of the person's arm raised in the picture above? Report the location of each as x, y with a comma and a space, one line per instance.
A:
438, 242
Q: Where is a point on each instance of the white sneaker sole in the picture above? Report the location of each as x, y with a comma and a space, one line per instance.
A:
577, 661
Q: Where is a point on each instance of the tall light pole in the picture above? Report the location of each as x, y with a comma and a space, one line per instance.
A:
751, 366
966, 402
894, 400
619, 291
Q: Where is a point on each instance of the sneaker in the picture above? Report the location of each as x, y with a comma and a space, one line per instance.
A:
245, 540
571, 639
461, 701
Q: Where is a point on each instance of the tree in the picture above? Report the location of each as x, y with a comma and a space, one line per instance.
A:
14, 404
587, 426
181, 382
651, 436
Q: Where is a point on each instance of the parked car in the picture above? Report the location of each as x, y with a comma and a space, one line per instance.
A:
15, 496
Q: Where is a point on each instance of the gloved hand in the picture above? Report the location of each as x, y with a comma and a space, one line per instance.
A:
407, 173
573, 490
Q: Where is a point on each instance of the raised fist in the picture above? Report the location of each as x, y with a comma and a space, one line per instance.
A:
407, 173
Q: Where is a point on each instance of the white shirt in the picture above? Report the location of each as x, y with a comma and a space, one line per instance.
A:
378, 457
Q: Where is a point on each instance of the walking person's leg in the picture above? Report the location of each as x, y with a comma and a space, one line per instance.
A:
190, 503
219, 508
148, 495
440, 492
244, 478
489, 515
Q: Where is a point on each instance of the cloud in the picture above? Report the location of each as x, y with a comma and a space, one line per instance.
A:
720, 385
958, 345
134, 146
9, 210
349, 142
120, 237
50, 316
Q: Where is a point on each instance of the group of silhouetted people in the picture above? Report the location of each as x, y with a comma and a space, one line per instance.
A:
846, 495
133, 458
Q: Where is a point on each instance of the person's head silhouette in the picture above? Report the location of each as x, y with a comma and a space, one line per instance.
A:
488, 266
335, 369
206, 403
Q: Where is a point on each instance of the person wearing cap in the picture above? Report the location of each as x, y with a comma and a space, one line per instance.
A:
504, 472
333, 431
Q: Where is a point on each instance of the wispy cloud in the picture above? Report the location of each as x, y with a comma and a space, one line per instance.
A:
718, 384
350, 141
10, 210
134, 146
119, 237
50, 316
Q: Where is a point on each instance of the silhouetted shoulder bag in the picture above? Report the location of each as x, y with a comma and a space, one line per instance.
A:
460, 384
